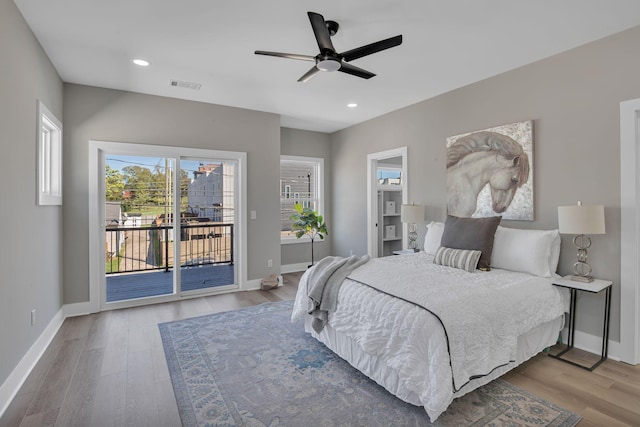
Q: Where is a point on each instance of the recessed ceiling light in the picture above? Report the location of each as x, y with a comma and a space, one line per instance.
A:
141, 62
352, 105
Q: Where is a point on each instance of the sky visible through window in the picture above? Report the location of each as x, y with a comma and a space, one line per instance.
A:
120, 162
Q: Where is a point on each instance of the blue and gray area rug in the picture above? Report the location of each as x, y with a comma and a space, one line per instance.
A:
253, 367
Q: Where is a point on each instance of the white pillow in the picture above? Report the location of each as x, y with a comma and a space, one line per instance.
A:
528, 251
433, 237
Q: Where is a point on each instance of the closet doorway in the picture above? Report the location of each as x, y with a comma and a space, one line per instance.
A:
387, 191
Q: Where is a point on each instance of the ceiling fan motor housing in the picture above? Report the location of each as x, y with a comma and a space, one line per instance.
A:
332, 27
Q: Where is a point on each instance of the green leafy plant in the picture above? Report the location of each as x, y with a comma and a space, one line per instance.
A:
308, 222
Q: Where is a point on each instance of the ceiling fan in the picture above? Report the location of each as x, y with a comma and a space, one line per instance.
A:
330, 60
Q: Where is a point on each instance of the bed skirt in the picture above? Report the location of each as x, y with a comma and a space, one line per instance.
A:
529, 345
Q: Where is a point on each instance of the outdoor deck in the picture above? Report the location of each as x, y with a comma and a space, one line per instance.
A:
153, 283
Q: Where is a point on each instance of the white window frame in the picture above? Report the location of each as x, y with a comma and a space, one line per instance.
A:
49, 157
319, 165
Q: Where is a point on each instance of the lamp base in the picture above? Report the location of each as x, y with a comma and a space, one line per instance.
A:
584, 279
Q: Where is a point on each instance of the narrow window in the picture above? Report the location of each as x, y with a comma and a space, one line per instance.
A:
49, 157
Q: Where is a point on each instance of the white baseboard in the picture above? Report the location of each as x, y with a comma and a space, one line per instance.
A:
14, 381
593, 344
293, 268
254, 285
78, 309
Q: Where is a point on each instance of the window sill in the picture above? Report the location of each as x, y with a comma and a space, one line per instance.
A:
294, 240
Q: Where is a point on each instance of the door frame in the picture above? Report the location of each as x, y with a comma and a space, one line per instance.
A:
630, 231
372, 195
97, 150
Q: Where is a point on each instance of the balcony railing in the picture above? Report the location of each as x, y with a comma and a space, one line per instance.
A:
132, 249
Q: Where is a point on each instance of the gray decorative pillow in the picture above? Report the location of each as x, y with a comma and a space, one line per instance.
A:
475, 234
457, 258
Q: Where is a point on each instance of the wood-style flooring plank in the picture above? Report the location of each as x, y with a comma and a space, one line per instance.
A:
111, 394
141, 408
593, 418
116, 344
16, 410
99, 331
139, 328
56, 383
38, 373
78, 404
43, 419
167, 406
77, 327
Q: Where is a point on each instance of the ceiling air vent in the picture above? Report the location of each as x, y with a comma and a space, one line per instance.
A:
185, 85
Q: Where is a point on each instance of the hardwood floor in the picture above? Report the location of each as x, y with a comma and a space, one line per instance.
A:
109, 369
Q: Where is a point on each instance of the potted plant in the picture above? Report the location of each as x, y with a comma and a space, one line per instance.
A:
309, 222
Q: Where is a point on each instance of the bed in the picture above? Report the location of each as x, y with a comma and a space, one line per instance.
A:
430, 330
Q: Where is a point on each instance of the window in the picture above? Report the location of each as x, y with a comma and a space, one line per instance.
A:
300, 182
49, 157
389, 176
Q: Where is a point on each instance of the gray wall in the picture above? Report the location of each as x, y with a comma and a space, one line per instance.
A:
574, 100
31, 250
294, 142
111, 115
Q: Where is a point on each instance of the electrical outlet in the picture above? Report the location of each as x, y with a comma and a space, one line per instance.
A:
33, 317
254, 215
270, 263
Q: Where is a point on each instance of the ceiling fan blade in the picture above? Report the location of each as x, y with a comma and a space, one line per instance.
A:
361, 51
355, 71
312, 72
321, 32
286, 55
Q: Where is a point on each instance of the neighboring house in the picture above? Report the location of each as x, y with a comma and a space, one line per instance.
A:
115, 219
296, 184
210, 193
132, 220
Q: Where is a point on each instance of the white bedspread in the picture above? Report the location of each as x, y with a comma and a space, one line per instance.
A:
482, 312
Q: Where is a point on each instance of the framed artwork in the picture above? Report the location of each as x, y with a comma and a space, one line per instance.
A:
490, 172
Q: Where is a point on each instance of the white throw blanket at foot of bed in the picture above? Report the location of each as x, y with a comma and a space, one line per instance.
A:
437, 327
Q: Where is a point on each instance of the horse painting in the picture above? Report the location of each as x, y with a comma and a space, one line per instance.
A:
482, 158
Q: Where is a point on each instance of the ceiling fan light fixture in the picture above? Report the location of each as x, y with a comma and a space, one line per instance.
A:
328, 65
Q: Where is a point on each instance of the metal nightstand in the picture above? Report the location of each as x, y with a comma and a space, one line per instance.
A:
594, 287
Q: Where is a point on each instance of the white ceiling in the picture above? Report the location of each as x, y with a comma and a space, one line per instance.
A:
447, 44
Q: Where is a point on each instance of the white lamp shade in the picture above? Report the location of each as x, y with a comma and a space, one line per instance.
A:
581, 219
413, 214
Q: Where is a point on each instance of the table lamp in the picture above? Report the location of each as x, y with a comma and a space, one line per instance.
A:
413, 215
581, 220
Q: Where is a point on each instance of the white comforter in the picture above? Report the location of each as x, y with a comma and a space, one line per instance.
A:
483, 313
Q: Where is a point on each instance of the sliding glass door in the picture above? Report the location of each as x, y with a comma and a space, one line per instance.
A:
169, 223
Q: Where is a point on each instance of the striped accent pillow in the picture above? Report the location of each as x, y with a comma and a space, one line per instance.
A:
457, 258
